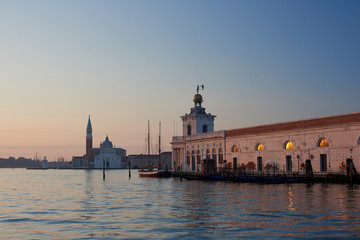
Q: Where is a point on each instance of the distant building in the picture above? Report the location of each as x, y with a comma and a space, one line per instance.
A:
80, 162
107, 155
327, 142
44, 163
142, 160
60, 164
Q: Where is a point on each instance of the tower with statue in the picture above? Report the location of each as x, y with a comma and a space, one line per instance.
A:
197, 121
190, 150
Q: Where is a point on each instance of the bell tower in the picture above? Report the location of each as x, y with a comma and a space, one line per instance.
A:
89, 137
197, 121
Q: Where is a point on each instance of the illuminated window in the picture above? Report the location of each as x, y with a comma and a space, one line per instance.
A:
235, 148
323, 143
289, 145
260, 147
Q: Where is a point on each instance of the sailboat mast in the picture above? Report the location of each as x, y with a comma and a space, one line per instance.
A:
159, 144
149, 143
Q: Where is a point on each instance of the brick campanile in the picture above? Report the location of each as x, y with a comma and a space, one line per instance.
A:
88, 137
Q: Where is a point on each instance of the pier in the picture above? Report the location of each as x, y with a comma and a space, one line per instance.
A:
266, 177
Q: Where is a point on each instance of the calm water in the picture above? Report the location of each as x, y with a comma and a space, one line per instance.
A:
78, 204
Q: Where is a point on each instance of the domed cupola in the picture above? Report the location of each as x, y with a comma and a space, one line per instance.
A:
107, 143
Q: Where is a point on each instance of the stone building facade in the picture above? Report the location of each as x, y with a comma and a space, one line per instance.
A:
142, 160
326, 141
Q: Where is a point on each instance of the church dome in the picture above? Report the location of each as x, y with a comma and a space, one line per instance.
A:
198, 99
107, 143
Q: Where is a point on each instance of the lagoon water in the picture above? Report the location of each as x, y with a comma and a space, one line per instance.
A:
78, 204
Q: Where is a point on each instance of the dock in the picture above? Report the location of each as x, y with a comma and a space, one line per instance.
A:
271, 178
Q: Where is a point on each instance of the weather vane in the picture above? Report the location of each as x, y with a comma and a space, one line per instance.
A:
198, 88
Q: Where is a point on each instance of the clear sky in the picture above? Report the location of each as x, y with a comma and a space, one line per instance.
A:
126, 62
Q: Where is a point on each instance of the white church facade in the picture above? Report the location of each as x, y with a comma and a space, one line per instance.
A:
109, 156
327, 142
106, 156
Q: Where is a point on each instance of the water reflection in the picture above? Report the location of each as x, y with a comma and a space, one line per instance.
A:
291, 196
79, 204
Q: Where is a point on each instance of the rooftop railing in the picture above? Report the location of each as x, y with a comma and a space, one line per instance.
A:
199, 136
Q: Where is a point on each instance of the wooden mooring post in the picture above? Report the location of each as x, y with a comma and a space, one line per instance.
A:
351, 173
181, 173
104, 170
129, 170
309, 171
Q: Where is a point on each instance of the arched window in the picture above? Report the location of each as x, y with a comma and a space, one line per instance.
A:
207, 153
193, 160
198, 156
235, 148
259, 147
288, 145
214, 154
188, 158
323, 142
221, 157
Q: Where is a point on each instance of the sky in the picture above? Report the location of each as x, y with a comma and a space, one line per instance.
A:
127, 62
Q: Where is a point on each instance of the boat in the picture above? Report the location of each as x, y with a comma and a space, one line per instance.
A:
154, 172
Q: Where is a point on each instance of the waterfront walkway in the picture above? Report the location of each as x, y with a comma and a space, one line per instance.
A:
269, 177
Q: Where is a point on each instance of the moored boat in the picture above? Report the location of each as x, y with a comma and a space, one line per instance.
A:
154, 172
159, 173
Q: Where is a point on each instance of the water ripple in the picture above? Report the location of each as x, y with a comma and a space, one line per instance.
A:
78, 204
